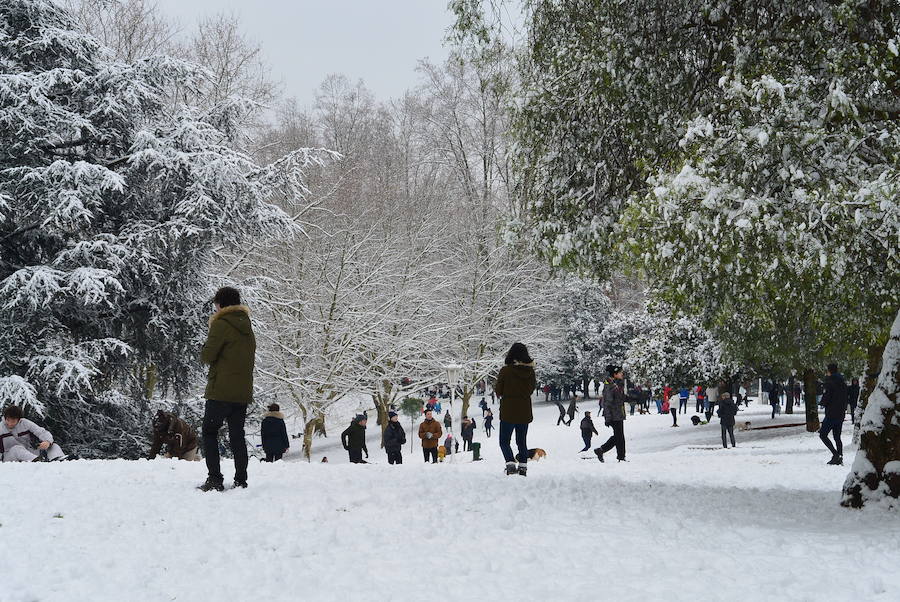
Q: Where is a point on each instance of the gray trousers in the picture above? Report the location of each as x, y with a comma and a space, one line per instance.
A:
20, 453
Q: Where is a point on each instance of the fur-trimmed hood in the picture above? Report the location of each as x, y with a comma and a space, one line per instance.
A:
277, 415
238, 316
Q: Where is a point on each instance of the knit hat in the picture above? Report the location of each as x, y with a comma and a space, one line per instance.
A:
391, 414
612, 369
360, 418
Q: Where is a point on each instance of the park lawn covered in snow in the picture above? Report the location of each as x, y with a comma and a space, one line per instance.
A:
682, 520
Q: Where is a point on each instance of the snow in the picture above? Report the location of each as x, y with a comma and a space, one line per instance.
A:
682, 520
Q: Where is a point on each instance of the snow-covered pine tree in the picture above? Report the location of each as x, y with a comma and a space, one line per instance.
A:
111, 207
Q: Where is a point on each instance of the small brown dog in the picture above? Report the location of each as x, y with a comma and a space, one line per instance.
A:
536, 454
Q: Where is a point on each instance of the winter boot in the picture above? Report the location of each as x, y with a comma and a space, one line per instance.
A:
523, 470
211, 485
510, 468
241, 484
599, 453
836, 460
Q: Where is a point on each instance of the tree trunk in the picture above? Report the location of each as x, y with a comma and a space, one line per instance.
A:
308, 431
876, 471
873, 368
789, 397
809, 398
466, 397
585, 383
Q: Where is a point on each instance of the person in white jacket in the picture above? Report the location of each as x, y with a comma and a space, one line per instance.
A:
18, 436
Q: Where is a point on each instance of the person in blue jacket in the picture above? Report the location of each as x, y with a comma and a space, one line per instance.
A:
274, 435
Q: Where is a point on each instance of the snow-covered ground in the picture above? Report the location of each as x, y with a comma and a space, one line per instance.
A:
682, 520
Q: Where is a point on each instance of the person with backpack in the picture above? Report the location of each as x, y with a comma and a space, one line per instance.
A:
394, 439
230, 353
587, 431
726, 413
488, 423
834, 399
273, 432
467, 432
515, 383
614, 413
21, 440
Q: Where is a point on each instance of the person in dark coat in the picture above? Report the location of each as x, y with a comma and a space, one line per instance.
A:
354, 440
587, 430
483, 405
726, 413
853, 398
572, 409
230, 353
176, 434
614, 412
515, 384
562, 413
467, 432
274, 435
394, 439
488, 422
448, 420
773, 399
835, 401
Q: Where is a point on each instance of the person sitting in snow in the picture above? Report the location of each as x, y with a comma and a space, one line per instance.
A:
273, 433
354, 439
176, 434
21, 440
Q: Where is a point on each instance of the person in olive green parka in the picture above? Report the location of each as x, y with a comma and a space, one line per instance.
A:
230, 351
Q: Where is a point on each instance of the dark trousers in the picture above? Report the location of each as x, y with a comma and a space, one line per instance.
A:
488, 429
699, 407
467, 444
710, 411
674, 416
430, 452
617, 440
774, 407
587, 440
729, 430
215, 414
506, 432
394, 456
356, 456
830, 425
272, 456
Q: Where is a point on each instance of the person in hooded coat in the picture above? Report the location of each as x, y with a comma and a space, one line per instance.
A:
176, 434
572, 409
835, 401
394, 438
614, 413
726, 413
515, 383
273, 432
354, 439
230, 353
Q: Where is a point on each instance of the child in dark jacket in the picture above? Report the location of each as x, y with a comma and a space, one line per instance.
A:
274, 435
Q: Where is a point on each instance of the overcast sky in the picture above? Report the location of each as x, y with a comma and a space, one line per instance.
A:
380, 41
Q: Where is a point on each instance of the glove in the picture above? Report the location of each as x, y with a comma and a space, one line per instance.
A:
429, 435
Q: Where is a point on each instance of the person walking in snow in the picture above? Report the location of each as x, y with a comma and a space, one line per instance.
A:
835, 401
562, 413
394, 439
515, 383
712, 397
430, 433
484, 406
587, 431
726, 413
488, 423
176, 434
230, 353
21, 440
448, 420
273, 432
614, 413
773, 399
674, 413
354, 439
573, 408
467, 432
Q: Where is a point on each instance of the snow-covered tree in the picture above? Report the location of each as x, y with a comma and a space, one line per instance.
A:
111, 207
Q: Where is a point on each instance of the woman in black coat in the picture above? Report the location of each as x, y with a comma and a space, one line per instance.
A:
274, 435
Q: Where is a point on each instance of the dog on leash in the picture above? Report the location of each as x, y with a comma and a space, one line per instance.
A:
745, 426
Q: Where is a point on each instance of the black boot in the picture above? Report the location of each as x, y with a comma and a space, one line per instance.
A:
599, 453
241, 484
510, 468
211, 485
523, 470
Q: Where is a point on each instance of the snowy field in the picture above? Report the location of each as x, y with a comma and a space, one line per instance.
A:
682, 520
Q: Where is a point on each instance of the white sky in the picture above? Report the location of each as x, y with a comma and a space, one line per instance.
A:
379, 41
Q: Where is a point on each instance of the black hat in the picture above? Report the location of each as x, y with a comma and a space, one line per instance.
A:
612, 369
391, 414
360, 417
